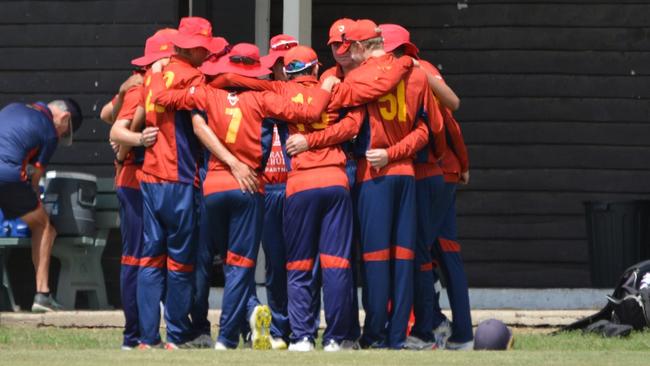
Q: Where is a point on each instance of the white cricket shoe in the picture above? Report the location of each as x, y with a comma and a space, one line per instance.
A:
218, 346
278, 343
332, 346
304, 345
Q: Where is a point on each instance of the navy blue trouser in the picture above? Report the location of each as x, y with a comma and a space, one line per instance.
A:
132, 245
236, 220
386, 213
437, 242
274, 247
167, 263
203, 275
318, 224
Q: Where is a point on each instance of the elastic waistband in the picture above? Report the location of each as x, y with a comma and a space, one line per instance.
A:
275, 187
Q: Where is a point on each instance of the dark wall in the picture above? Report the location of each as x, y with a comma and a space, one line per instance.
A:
234, 20
81, 49
554, 103
554, 109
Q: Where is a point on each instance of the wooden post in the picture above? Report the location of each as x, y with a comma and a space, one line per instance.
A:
296, 20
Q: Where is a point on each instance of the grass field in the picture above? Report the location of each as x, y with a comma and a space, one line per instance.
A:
72, 347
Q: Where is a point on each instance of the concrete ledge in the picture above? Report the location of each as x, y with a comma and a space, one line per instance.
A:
515, 307
115, 319
481, 298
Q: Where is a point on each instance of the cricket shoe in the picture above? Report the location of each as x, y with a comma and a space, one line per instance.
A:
45, 303
332, 346
202, 341
442, 333
460, 346
304, 345
278, 343
218, 346
144, 346
260, 323
349, 345
417, 344
174, 346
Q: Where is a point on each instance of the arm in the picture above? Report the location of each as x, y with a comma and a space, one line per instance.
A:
344, 130
136, 125
444, 93
238, 81
35, 179
299, 108
187, 99
368, 83
111, 109
438, 86
410, 144
245, 176
40, 162
457, 141
126, 130
122, 134
106, 114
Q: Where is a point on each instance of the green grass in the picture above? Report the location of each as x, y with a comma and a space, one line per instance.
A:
71, 347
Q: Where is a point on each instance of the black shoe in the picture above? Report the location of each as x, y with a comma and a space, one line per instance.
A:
44, 303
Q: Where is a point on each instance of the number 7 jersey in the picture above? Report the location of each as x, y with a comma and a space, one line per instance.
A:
236, 119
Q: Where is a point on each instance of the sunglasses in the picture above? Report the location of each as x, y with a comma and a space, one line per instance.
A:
243, 60
284, 45
297, 66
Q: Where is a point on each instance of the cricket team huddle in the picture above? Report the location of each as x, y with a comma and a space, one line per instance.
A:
219, 150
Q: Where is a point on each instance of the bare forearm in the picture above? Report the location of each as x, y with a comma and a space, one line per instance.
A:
443, 92
211, 142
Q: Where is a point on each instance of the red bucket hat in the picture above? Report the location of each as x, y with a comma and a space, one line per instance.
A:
278, 47
218, 46
299, 58
338, 28
243, 59
195, 32
361, 30
157, 46
396, 36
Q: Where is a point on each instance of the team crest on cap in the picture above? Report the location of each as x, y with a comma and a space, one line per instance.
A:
205, 32
233, 98
341, 28
164, 47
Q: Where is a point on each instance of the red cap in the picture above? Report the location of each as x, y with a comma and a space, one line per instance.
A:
361, 30
157, 46
299, 58
195, 32
218, 46
278, 46
396, 36
243, 59
338, 28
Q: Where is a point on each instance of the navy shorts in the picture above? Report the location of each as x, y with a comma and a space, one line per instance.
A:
17, 199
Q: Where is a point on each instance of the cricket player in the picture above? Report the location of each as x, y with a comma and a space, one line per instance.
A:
127, 132
30, 134
169, 186
237, 120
